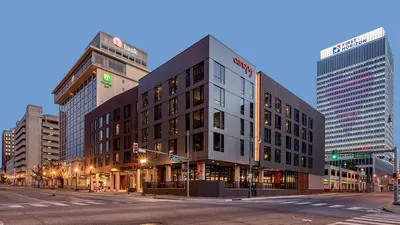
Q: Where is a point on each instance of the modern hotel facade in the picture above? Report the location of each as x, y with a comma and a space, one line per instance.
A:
7, 147
107, 67
355, 93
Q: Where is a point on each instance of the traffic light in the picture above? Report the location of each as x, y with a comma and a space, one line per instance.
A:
135, 148
334, 155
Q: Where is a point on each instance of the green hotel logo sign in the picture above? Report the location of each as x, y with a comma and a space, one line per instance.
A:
106, 80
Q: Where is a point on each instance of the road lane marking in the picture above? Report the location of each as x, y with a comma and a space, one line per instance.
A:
336, 206
302, 203
26, 197
94, 203
287, 202
59, 204
319, 204
355, 208
39, 205
78, 203
15, 206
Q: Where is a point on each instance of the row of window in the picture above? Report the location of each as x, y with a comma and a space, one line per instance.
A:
97, 148
105, 161
355, 118
119, 53
354, 113
359, 143
360, 101
363, 132
353, 124
297, 160
368, 94
352, 88
368, 137
356, 108
353, 93
349, 129
296, 142
364, 80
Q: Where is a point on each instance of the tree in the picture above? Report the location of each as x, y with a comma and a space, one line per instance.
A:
350, 165
37, 174
3, 177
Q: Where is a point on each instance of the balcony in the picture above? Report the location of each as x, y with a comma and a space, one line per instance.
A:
50, 131
50, 138
19, 157
50, 150
52, 125
21, 169
20, 163
52, 157
19, 152
22, 143
50, 144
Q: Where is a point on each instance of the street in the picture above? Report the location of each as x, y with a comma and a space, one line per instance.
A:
20, 205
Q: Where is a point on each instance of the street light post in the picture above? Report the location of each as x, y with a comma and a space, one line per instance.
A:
90, 178
142, 162
52, 176
76, 183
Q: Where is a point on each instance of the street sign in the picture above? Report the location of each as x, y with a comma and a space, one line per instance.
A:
362, 155
175, 159
250, 175
142, 150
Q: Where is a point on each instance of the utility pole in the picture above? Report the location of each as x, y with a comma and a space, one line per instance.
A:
188, 167
250, 176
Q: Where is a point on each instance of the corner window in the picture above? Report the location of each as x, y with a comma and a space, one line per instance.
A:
288, 111
218, 142
198, 141
267, 99
267, 153
145, 100
219, 73
198, 118
198, 95
157, 93
198, 72
267, 117
219, 96
278, 105
278, 156
173, 106
173, 85
157, 131
219, 119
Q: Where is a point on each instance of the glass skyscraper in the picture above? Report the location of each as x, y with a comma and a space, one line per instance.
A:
355, 93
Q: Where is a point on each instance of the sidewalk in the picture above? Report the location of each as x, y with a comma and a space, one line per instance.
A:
392, 208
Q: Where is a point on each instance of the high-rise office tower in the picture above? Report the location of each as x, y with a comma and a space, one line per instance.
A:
355, 93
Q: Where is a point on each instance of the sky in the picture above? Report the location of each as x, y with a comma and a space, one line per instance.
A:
43, 39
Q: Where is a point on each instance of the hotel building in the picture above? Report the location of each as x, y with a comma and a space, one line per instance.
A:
7, 147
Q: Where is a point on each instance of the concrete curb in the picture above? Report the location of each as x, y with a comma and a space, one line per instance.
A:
395, 209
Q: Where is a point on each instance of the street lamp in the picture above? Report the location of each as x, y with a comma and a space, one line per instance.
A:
76, 183
142, 162
52, 177
91, 167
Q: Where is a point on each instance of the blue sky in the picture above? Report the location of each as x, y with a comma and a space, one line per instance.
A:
42, 39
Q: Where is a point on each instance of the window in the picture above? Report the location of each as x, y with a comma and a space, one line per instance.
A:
241, 147
242, 106
187, 77
127, 142
310, 123
310, 136
219, 73
198, 118
145, 100
288, 158
157, 131
126, 126
241, 126
278, 105
145, 134
157, 93
251, 148
267, 99
218, 142
303, 147
100, 161
288, 126
145, 117
277, 156
198, 140
198, 72
100, 148
107, 146
187, 121
251, 110
251, 90
304, 119
267, 135
242, 85
127, 111
107, 132
251, 130
173, 106
296, 130
157, 112
116, 158
296, 160
116, 144
288, 111
267, 117
107, 160
157, 148
278, 139
310, 163
116, 115
296, 115
127, 157
100, 135
101, 122
173, 126
116, 129
304, 161
304, 133
296, 145
173, 85
219, 119
278, 122
267, 153
219, 96
187, 99
310, 150
198, 95
288, 142
172, 146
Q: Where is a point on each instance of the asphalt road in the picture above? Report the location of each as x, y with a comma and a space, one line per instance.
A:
36, 206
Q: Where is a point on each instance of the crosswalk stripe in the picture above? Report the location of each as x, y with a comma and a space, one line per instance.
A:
383, 216
378, 220
15, 206
365, 222
78, 203
336, 206
344, 223
302, 203
59, 204
355, 208
319, 204
39, 205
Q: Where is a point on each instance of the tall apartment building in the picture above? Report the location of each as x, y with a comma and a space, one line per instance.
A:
7, 147
107, 67
36, 140
355, 93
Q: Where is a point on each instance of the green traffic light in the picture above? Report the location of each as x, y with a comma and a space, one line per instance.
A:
334, 156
